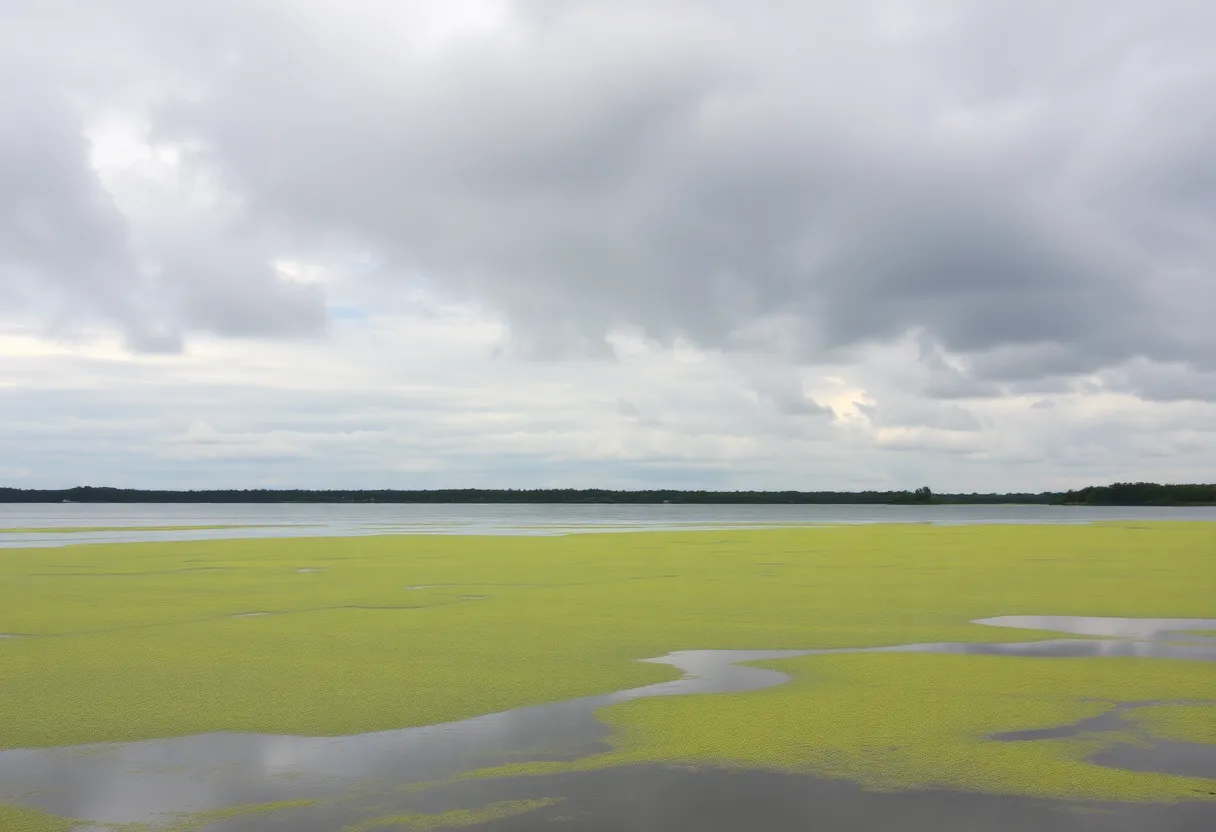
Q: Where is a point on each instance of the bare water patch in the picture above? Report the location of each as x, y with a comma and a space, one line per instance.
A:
62, 525
137, 781
1160, 756
134, 782
651, 798
1143, 752
1050, 648
1146, 629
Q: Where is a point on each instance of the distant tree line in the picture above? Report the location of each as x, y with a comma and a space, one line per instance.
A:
1142, 494
88, 494
1119, 494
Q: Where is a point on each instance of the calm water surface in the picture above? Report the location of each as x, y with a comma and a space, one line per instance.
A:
138, 781
283, 520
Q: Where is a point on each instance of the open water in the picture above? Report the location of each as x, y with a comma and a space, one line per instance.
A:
327, 519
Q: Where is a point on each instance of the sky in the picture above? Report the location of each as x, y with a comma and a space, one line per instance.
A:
969, 244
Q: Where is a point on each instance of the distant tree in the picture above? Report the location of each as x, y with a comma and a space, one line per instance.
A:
1143, 494
1128, 494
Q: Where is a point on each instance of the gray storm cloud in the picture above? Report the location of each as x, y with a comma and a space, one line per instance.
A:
1026, 185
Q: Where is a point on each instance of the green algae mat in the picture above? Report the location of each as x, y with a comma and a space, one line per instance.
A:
338, 636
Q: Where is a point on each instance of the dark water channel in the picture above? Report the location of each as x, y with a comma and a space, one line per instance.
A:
364, 774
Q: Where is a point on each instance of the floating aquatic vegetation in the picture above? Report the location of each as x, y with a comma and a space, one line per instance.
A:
152, 655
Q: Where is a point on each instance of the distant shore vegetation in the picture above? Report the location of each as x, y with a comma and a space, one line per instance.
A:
1118, 494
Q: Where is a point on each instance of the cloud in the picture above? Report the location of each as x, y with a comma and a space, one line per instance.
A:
688, 170
786, 207
913, 414
588, 167
1161, 382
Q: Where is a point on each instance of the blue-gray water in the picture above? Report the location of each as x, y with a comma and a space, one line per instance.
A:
280, 520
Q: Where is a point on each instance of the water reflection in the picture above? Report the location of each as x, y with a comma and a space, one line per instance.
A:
663, 799
313, 520
136, 781
133, 781
1175, 629
1061, 648
1190, 759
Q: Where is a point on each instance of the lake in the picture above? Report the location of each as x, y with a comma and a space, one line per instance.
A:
395, 674
330, 519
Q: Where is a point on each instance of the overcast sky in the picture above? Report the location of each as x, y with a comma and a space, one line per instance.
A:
689, 243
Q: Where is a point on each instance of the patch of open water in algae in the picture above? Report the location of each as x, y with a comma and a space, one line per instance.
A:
142, 781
